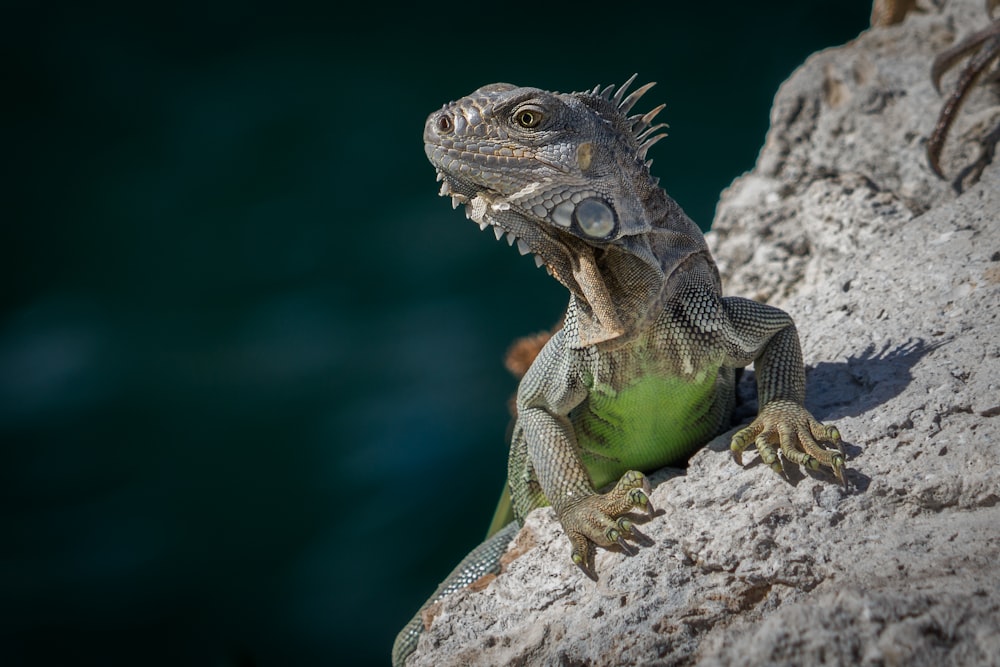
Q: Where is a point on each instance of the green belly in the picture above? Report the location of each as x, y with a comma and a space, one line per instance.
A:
652, 422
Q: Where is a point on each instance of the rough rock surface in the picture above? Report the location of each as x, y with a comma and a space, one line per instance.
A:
894, 281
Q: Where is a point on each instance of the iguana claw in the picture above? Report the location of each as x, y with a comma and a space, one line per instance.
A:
618, 539
838, 467
583, 555
797, 435
983, 49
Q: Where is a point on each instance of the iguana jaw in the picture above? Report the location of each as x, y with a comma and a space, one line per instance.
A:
569, 259
476, 206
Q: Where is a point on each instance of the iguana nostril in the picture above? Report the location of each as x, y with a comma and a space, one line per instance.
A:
444, 124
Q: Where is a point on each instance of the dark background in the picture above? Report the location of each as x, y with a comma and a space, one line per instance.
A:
252, 406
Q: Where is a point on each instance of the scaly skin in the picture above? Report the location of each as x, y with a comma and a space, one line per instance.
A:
641, 373
982, 48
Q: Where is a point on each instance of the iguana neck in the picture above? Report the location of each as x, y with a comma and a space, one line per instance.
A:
616, 290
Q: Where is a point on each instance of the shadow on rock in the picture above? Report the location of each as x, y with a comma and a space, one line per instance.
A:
865, 381
847, 389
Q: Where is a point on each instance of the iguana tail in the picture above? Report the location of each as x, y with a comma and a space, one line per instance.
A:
483, 560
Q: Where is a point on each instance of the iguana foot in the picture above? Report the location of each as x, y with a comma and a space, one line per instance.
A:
597, 519
797, 435
983, 49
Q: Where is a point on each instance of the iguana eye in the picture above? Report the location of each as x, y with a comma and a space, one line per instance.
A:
595, 218
528, 116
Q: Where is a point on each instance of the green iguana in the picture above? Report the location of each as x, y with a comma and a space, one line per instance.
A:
642, 371
982, 48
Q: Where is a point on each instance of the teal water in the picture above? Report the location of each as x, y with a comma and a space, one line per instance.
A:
252, 406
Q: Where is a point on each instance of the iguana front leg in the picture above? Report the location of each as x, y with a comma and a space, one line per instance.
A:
546, 466
767, 336
589, 518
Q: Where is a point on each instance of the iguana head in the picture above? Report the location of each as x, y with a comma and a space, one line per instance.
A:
563, 175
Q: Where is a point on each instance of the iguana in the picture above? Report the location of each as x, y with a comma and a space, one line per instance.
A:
983, 51
641, 373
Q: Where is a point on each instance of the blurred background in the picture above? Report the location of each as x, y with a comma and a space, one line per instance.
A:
252, 402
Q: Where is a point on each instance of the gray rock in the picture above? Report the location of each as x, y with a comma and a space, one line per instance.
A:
894, 281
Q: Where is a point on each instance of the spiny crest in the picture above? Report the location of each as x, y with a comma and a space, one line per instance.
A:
645, 132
